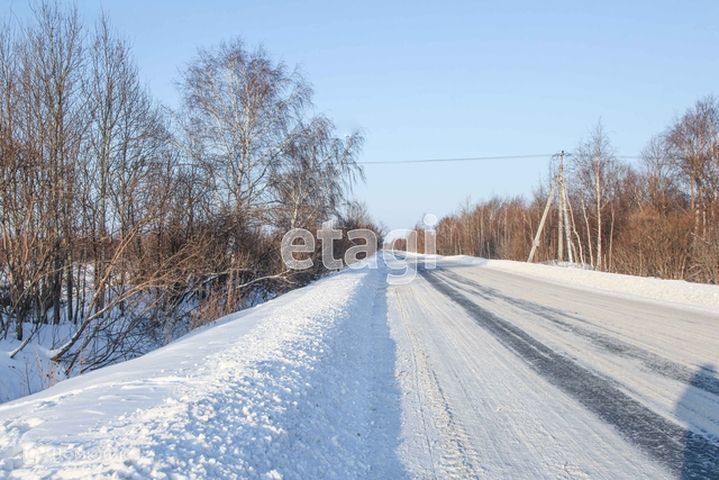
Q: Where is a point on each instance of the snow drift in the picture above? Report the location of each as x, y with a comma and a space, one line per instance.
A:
281, 390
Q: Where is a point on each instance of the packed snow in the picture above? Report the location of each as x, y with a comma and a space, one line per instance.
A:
681, 292
283, 390
472, 369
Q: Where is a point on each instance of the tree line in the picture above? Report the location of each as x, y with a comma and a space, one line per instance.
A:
655, 217
134, 222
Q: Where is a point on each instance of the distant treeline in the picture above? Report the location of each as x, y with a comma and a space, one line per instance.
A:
133, 222
656, 217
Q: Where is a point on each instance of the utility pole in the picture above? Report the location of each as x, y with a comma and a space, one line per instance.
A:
563, 216
535, 243
560, 209
567, 232
563, 232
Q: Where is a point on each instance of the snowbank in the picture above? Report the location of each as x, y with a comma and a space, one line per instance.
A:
31, 370
282, 390
697, 295
675, 291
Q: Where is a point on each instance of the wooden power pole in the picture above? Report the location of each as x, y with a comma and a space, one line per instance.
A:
535, 243
563, 231
564, 214
560, 208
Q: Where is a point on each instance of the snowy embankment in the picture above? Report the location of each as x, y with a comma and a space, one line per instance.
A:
680, 292
31, 369
282, 390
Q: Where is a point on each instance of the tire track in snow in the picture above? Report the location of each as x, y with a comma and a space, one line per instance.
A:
663, 440
455, 453
652, 361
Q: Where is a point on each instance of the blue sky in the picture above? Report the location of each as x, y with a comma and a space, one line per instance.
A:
452, 79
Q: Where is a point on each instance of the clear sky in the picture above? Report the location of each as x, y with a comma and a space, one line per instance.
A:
452, 79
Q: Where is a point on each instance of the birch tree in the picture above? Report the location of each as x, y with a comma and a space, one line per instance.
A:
593, 166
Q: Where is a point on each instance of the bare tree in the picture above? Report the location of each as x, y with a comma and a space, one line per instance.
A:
134, 228
245, 125
693, 147
243, 109
593, 165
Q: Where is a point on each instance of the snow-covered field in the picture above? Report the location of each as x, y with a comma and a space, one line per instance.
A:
473, 370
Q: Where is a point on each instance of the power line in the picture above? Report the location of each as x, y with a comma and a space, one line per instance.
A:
480, 159
639, 157
457, 159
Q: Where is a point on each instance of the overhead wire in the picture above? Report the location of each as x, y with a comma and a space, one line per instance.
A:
479, 158
456, 159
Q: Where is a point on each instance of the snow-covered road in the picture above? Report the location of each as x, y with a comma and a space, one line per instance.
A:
472, 370
506, 376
